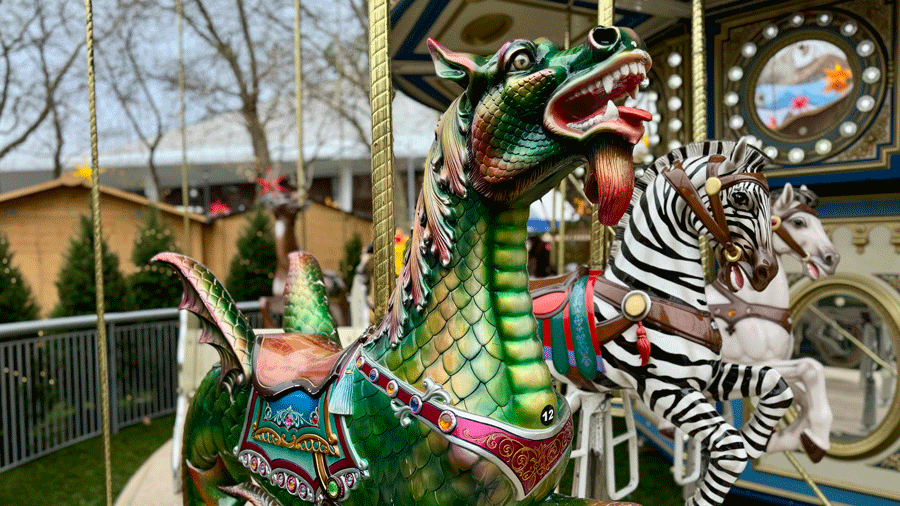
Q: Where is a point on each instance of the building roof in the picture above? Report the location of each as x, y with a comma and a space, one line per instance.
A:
78, 182
220, 152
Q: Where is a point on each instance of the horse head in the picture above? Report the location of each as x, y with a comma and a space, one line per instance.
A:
799, 231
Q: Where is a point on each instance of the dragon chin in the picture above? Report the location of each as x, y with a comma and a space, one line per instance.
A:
610, 178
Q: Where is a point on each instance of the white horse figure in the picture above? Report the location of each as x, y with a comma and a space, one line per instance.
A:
756, 326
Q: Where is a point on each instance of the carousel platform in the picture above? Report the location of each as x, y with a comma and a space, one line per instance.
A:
152, 484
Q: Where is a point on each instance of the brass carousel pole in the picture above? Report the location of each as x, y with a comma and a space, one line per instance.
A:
564, 184
98, 253
698, 76
382, 154
179, 6
298, 91
605, 11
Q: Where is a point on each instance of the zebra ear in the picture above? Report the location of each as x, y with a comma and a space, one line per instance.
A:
739, 151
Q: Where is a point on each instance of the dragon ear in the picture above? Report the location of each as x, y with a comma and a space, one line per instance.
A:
458, 67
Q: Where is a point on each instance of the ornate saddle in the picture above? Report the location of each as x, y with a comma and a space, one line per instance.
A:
285, 361
294, 434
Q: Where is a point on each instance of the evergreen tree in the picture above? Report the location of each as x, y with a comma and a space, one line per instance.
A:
76, 284
16, 300
352, 256
153, 285
252, 269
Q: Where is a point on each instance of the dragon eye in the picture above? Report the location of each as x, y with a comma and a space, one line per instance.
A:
521, 60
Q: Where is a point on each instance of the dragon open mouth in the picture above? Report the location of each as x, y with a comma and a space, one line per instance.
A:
586, 107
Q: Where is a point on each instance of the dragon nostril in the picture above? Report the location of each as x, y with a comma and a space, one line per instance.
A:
603, 36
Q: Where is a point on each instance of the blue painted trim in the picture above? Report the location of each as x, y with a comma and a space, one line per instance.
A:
886, 207
406, 50
891, 172
418, 82
399, 10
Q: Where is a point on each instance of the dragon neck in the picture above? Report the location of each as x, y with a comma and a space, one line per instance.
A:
475, 334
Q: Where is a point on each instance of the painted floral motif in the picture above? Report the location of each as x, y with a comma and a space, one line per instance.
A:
290, 418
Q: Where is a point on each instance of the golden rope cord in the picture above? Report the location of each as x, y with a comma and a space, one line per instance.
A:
179, 7
98, 253
382, 155
298, 91
698, 71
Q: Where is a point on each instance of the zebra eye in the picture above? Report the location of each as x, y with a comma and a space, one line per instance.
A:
741, 200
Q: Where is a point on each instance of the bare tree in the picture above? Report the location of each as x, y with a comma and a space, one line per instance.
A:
40, 45
128, 76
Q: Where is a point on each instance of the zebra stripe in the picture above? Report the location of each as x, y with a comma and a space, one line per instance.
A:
656, 250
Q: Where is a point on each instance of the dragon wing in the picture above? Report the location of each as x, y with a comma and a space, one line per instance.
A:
222, 324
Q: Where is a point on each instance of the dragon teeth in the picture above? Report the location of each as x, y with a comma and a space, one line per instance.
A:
611, 113
608, 83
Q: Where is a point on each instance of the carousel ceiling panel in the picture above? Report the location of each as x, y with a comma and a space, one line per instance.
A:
482, 26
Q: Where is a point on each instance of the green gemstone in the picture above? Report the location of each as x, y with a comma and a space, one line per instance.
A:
332, 488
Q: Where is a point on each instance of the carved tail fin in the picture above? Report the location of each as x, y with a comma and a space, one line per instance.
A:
222, 324
305, 302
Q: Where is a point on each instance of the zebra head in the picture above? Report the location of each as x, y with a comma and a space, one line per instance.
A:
729, 200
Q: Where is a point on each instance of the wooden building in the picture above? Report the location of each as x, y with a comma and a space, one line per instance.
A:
40, 220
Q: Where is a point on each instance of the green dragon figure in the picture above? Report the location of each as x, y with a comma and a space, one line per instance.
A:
448, 401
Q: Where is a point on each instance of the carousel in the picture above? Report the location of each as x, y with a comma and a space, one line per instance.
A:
738, 307
812, 86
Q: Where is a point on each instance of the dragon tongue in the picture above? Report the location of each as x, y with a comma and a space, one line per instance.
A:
610, 180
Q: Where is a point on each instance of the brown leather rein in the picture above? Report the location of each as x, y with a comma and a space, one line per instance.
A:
736, 309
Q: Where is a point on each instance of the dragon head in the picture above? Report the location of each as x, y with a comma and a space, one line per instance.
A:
533, 112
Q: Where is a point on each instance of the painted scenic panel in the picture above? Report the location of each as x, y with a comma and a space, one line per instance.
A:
802, 88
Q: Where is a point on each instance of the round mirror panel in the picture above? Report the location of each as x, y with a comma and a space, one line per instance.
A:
851, 324
804, 89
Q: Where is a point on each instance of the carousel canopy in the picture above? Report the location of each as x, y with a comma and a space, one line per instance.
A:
480, 27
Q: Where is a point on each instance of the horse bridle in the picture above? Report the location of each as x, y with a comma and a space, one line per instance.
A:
778, 220
714, 218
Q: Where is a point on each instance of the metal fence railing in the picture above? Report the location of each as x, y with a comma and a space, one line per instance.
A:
49, 385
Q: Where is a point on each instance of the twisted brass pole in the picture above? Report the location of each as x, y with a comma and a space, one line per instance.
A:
698, 70
179, 7
298, 90
382, 154
605, 12
98, 252
564, 184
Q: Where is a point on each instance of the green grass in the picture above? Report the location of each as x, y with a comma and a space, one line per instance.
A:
75, 475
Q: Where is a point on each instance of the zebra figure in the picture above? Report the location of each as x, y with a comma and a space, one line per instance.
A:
659, 338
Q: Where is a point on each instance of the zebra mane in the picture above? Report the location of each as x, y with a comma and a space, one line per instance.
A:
431, 240
754, 160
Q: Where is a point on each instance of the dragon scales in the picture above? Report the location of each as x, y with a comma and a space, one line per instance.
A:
448, 401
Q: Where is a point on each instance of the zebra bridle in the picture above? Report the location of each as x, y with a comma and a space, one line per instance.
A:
728, 254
